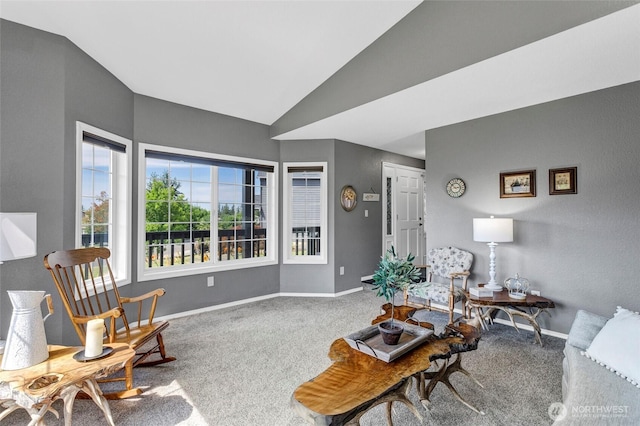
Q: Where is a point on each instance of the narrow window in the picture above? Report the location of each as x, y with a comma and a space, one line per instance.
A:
103, 196
305, 219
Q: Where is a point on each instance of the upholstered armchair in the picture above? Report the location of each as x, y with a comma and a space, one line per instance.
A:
447, 271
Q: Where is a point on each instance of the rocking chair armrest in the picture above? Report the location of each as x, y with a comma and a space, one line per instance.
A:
111, 313
157, 293
139, 299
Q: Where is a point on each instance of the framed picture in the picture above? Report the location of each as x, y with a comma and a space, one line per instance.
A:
518, 184
348, 198
563, 181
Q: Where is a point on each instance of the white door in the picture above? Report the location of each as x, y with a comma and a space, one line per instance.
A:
405, 207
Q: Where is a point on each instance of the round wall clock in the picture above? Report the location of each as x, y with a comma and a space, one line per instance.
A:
456, 187
348, 198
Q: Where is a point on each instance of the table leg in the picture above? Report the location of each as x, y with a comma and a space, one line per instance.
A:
531, 317
442, 375
396, 394
93, 390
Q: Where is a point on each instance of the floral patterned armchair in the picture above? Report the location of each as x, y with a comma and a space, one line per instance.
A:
445, 264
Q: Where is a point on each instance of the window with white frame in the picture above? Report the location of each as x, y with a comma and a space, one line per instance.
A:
201, 211
305, 213
103, 195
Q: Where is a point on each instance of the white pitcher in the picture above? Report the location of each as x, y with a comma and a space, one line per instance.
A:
26, 341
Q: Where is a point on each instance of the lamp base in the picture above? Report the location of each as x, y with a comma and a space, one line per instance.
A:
493, 287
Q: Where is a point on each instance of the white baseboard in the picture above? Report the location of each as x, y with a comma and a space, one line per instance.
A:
251, 300
342, 293
216, 307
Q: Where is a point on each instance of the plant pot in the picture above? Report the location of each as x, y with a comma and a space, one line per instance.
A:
390, 332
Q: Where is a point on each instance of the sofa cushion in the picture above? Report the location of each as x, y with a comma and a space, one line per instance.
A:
617, 345
584, 329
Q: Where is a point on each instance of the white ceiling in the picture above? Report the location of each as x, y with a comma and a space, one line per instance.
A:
256, 60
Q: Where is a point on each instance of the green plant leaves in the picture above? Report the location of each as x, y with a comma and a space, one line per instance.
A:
394, 274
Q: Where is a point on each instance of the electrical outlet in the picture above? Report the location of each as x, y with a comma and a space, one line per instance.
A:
210, 281
366, 213
535, 292
342, 270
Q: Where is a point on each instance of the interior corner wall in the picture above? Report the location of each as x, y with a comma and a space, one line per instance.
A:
310, 278
358, 239
46, 84
579, 250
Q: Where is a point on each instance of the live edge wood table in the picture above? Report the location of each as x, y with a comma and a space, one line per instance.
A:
60, 377
357, 382
528, 308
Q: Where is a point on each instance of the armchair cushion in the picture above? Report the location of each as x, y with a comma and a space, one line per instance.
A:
439, 292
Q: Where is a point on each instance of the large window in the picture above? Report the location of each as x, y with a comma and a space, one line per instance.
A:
305, 213
103, 197
200, 211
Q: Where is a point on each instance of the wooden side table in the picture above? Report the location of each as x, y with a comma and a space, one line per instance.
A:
528, 308
60, 377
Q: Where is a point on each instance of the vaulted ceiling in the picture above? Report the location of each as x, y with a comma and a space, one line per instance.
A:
258, 60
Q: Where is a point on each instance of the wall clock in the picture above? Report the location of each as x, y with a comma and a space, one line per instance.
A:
456, 187
348, 198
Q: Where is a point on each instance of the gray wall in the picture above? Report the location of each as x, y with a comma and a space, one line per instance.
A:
311, 278
580, 250
438, 37
46, 84
358, 239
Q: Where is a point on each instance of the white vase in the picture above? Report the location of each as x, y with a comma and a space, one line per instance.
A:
26, 341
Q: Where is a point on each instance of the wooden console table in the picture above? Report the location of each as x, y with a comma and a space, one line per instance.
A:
357, 382
529, 308
60, 377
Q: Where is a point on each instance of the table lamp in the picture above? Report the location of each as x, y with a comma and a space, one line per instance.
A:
493, 231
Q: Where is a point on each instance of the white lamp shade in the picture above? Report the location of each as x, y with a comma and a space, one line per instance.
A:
17, 235
493, 230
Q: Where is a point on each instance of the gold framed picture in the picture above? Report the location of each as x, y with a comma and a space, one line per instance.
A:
518, 184
563, 181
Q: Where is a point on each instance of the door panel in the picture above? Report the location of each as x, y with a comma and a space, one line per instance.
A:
409, 202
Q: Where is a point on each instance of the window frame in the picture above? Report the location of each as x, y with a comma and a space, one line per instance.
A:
120, 207
287, 257
213, 265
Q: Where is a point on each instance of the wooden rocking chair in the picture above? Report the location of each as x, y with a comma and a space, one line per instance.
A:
88, 291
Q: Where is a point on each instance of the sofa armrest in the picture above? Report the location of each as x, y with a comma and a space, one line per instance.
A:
584, 329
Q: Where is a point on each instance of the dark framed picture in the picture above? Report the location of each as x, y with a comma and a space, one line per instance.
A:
563, 181
518, 184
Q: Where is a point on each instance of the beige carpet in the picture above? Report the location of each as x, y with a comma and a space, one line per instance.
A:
239, 366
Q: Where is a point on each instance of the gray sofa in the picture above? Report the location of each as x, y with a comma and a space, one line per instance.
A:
592, 394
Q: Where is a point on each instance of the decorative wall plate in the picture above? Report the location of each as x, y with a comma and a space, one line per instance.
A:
456, 187
348, 198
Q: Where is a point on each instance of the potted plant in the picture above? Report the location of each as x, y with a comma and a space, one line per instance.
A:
394, 274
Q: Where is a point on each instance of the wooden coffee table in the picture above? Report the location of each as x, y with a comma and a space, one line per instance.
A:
60, 377
357, 382
529, 308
